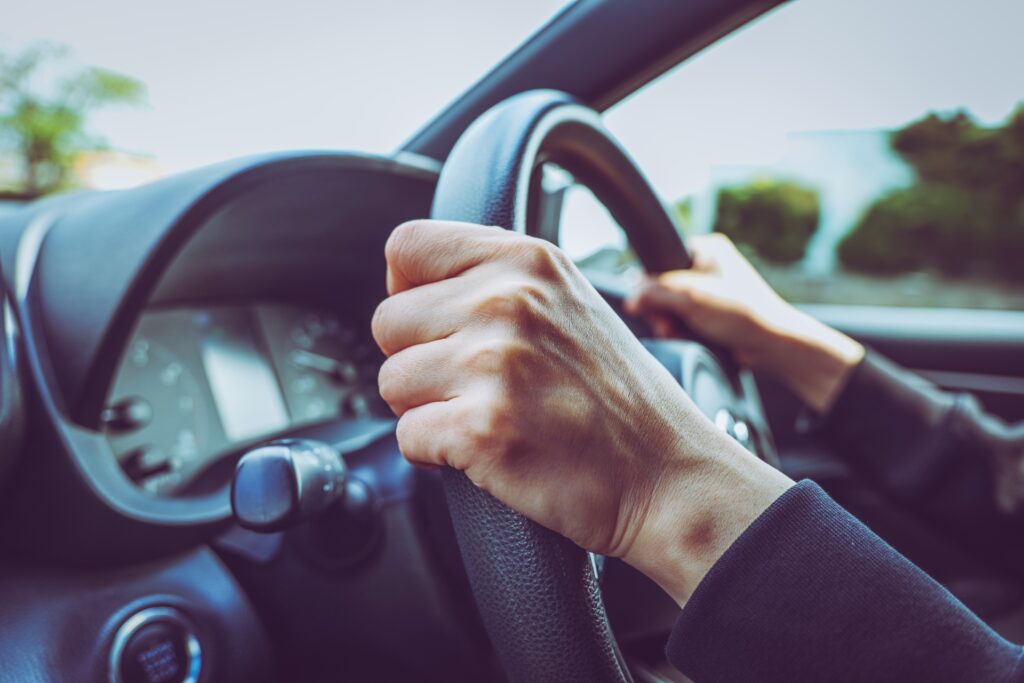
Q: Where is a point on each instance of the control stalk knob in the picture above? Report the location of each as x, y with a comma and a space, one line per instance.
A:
286, 482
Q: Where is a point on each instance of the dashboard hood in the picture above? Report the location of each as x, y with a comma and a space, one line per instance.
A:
83, 265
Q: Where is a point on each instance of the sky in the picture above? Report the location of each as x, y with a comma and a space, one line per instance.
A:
231, 77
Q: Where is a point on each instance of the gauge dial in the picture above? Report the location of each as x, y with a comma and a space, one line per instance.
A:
321, 372
156, 419
326, 369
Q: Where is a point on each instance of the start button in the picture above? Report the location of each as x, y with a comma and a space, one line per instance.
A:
156, 645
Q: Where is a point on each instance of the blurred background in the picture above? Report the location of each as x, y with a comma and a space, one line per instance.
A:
860, 152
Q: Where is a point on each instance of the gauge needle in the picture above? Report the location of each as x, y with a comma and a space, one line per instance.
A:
331, 367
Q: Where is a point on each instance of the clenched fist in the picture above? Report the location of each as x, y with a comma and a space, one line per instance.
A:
505, 363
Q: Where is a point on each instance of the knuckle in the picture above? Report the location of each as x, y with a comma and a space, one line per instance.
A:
542, 259
402, 240
496, 356
379, 324
520, 303
405, 432
389, 381
485, 357
504, 304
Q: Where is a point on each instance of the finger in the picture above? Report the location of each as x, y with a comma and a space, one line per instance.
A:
682, 281
422, 314
421, 374
655, 298
427, 434
424, 251
687, 281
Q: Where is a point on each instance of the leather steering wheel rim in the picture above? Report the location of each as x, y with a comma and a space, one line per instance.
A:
538, 592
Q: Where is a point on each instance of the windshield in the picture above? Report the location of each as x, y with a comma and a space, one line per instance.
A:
235, 77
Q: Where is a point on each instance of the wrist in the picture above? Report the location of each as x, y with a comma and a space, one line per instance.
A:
811, 359
701, 506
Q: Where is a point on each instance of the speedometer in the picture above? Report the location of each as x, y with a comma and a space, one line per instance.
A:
156, 420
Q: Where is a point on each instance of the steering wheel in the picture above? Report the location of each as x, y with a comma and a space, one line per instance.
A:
538, 592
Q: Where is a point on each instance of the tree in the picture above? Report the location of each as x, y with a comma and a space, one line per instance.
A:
776, 218
928, 225
964, 215
955, 151
46, 127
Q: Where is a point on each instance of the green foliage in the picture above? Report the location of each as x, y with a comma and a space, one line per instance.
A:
46, 126
964, 215
684, 214
776, 218
927, 225
956, 151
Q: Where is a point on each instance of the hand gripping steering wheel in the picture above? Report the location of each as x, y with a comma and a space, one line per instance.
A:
538, 592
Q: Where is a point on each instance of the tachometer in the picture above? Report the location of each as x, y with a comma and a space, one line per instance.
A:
327, 370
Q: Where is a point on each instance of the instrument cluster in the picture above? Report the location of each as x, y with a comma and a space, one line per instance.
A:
196, 384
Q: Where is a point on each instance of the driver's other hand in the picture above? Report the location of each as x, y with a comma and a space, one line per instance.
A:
505, 363
724, 300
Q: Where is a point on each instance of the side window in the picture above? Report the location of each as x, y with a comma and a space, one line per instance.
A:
867, 152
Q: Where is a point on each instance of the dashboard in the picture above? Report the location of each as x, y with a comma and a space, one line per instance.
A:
162, 331
198, 384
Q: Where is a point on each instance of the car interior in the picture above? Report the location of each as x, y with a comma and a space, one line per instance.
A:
201, 482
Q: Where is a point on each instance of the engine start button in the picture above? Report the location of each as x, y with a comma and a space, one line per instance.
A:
155, 645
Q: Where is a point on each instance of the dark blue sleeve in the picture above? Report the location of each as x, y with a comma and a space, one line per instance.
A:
936, 454
808, 593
